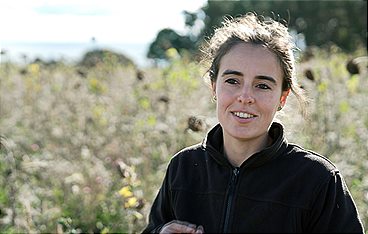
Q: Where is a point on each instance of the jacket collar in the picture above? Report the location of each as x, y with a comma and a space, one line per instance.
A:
213, 144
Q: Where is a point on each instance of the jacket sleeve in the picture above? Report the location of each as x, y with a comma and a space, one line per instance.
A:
334, 209
161, 210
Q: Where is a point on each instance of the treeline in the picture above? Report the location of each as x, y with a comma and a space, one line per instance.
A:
322, 23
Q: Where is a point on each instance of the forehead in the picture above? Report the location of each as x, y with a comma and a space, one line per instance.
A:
250, 58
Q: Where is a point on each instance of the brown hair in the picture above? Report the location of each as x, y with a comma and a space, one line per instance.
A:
255, 30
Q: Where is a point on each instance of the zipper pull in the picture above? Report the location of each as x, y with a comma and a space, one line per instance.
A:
236, 171
235, 174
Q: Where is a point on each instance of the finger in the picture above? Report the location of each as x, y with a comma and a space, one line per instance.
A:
200, 229
176, 226
186, 227
184, 223
192, 226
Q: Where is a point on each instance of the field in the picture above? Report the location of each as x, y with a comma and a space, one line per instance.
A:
85, 150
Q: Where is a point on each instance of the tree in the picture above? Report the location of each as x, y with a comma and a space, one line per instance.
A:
166, 39
343, 23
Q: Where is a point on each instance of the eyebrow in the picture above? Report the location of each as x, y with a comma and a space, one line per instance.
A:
238, 73
232, 72
269, 78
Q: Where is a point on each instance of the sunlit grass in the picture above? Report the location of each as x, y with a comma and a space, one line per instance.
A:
86, 150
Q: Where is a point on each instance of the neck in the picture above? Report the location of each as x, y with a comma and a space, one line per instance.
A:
238, 151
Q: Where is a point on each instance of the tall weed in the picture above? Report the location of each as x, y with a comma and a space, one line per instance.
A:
87, 151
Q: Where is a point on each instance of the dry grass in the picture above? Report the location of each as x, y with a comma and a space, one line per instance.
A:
86, 151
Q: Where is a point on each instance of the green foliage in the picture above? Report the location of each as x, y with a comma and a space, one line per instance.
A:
87, 152
77, 139
166, 39
343, 23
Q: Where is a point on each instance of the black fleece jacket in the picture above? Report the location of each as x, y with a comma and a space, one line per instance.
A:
282, 188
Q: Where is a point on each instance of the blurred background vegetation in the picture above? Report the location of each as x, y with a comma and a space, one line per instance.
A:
318, 23
84, 146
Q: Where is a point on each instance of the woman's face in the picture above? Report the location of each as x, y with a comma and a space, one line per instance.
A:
249, 91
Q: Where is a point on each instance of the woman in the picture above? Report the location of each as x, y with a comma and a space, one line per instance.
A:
245, 177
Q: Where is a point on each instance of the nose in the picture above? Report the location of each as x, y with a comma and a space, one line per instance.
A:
246, 97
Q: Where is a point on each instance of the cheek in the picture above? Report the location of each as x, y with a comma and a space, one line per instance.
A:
224, 98
269, 102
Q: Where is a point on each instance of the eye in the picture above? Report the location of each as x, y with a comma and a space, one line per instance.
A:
231, 81
263, 86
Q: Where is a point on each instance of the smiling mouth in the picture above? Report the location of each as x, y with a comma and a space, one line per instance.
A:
243, 115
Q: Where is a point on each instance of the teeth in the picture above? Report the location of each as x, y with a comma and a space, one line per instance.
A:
243, 115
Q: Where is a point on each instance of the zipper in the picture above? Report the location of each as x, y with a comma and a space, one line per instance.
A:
230, 198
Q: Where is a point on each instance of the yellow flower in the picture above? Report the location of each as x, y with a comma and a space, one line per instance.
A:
172, 53
125, 192
105, 230
34, 68
96, 86
131, 202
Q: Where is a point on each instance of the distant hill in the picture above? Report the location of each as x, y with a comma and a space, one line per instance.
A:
102, 56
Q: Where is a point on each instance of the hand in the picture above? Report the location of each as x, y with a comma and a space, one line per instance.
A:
177, 226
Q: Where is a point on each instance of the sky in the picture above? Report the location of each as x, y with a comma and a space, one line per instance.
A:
129, 22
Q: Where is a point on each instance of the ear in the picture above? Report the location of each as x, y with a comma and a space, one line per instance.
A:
284, 96
213, 86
